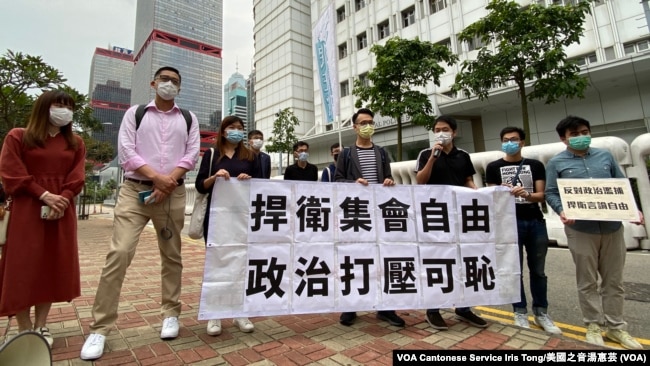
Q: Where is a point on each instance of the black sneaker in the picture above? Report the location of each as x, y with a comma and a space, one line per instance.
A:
348, 319
391, 317
436, 321
471, 318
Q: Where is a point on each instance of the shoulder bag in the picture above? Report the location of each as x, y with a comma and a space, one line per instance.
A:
195, 231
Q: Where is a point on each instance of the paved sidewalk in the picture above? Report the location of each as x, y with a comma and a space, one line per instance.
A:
313, 339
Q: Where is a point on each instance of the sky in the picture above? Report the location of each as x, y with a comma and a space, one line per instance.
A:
65, 33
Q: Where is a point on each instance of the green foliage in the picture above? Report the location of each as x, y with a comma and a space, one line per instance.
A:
402, 67
96, 193
23, 74
98, 151
283, 136
530, 43
20, 74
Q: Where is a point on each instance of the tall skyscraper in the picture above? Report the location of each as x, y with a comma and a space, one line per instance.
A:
250, 105
186, 35
283, 62
110, 90
236, 98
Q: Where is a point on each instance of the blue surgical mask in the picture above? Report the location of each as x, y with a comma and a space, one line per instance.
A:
234, 136
580, 142
303, 156
510, 147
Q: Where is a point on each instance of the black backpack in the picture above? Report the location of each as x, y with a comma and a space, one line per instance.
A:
139, 113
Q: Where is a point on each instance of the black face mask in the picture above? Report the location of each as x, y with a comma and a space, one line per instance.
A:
336, 156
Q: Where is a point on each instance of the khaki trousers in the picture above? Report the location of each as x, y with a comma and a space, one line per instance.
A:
604, 255
130, 218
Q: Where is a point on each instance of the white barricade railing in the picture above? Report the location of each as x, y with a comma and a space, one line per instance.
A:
631, 158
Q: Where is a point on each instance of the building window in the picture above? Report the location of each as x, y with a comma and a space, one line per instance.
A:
362, 41
364, 79
343, 50
638, 46
345, 89
610, 54
437, 5
445, 42
474, 44
340, 14
450, 94
585, 59
565, 2
359, 4
408, 16
383, 30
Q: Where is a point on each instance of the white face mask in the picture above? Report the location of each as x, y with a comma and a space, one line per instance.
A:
60, 116
167, 90
443, 137
257, 143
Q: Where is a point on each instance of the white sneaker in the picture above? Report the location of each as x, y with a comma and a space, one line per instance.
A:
214, 327
521, 320
45, 332
594, 335
169, 328
624, 338
244, 325
93, 347
544, 321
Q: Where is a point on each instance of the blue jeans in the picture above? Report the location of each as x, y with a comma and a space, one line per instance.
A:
532, 235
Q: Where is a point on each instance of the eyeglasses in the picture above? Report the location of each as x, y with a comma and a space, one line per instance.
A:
165, 79
512, 139
366, 123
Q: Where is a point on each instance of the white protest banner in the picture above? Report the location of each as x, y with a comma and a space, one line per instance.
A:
608, 199
284, 247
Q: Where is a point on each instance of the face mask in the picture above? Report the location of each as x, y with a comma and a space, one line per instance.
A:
303, 156
60, 116
510, 147
234, 136
366, 131
580, 142
167, 90
336, 156
443, 137
257, 143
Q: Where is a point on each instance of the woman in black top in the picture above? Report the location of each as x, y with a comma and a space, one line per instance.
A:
231, 159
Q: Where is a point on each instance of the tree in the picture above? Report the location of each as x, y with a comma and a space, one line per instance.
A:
283, 135
19, 74
402, 66
529, 48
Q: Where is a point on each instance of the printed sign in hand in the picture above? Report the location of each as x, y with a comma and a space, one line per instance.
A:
608, 199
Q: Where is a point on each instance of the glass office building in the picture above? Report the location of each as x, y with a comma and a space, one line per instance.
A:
110, 90
187, 36
236, 98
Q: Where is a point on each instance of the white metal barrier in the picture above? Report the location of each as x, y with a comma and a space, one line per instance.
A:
631, 158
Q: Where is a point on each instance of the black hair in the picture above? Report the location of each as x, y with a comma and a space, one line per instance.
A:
362, 111
298, 144
508, 129
255, 132
334, 146
451, 121
571, 123
167, 68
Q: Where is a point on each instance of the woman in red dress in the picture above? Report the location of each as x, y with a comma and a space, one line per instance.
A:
41, 166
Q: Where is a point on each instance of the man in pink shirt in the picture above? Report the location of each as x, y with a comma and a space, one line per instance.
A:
155, 155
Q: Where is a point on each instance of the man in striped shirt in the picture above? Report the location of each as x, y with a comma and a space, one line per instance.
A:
365, 163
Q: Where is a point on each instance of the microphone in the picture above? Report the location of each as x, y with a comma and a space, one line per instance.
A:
436, 152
